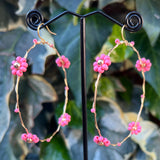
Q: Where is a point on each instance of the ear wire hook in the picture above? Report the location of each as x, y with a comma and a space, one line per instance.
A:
38, 31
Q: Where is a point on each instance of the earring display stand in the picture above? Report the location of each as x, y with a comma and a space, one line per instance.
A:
133, 22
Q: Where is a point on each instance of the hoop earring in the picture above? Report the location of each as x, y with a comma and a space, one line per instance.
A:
102, 64
19, 66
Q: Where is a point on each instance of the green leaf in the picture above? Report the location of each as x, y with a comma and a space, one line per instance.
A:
8, 18
149, 10
152, 101
105, 88
5, 149
6, 86
103, 3
74, 111
24, 6
148, 139
127, 95
119, 54
71, 5
68, 44
9, 40
35, 90
56, 149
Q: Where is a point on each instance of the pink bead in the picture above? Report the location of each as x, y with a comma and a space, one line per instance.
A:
132, 43
23, 60
23, 69
12, 67
24, 136
14, 71
29, 135
24, 64
96, 139
19, 73
119, 144
35, 139
66, 88
95, 68
18, 58
95, 64
51, 45
93, 110
48, 140
117, 41
16, 110
35, 41
13, 62
100, 139
102, 56
107, 143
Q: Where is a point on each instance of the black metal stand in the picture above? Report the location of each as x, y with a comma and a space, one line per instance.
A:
133, 23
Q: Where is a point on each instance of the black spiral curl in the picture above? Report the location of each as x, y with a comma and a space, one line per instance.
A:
133, 21
34, 19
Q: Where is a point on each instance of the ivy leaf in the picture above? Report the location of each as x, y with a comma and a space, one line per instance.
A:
105, 88
71, 5
8, 18
6, 86
149, 9
24, 6
56, 149
103, 3
68, 44
36, 91
5, 149
152, 101
33, 91
148, 139
119, 54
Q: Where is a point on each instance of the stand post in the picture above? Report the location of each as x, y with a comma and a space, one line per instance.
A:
83, 86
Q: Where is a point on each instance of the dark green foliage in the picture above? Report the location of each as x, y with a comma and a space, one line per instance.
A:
42, 95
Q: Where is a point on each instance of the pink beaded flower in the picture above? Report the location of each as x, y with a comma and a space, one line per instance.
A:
19, 66
101, 141
143, 65
63, 61
135, 128
64, 119
30, 138
101, 63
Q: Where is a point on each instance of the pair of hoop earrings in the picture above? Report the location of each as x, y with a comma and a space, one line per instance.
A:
101, 64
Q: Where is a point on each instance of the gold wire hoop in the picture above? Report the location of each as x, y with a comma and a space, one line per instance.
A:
42, 41
124, 41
